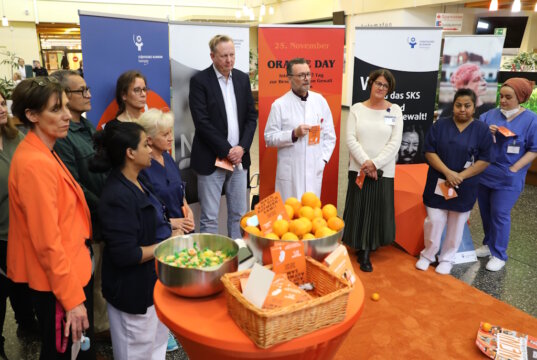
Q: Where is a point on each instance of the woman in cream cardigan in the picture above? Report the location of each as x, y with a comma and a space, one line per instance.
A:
374, 130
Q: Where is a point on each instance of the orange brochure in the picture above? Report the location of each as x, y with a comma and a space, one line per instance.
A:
289, 259
314, 135
339, 262
224, 164
360, 179
449, 192
283, 292
505, 131
269, 210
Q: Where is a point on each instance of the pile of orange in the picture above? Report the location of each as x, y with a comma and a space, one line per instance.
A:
308, 220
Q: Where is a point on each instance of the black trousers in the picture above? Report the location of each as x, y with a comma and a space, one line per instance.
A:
19, 296
45, 308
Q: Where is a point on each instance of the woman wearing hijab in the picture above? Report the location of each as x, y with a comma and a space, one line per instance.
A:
515, 132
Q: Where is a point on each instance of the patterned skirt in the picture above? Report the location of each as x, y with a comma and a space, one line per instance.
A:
369, 213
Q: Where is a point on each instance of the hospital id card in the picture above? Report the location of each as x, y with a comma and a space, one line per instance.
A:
389, 120
513, 149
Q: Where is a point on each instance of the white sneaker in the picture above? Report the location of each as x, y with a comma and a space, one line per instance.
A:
482, 251
444, 268
422, 263
495, 264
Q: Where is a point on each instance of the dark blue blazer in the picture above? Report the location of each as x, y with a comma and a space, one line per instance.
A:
128, 221
210, 120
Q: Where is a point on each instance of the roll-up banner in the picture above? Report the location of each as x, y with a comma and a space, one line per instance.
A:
471, 62
412, 55
323, 48
190, 53
112, 45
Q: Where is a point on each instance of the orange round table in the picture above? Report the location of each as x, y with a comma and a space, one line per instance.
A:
206, 331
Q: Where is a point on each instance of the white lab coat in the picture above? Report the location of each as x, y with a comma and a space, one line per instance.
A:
300, 166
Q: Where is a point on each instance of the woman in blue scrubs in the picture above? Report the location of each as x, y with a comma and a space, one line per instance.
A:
503, 181
457, 149
163, 173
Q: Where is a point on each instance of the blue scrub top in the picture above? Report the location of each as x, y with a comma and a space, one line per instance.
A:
497, 175
455, 148
167, 183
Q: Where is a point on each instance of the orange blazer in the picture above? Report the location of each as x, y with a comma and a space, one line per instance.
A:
49, 222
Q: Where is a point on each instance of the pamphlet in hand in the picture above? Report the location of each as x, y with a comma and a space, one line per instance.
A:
505, 131
224, 164
443, 189
502, 344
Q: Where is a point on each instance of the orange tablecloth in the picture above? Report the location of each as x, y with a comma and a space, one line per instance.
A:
206, 331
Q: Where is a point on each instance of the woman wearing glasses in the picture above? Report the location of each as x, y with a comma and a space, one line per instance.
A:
50, 224
374, 129
131, 96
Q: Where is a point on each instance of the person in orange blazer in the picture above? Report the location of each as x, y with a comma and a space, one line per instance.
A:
48, 241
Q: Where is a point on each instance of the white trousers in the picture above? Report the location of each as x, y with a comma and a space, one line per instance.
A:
137, 336
434, 225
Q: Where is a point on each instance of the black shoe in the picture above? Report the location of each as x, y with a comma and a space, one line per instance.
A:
363, 260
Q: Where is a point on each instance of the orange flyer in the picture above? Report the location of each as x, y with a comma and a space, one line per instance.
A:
448, 191
339, 262
360, 179
314, 135
505, 131
289, 259
224, 164
269, 210
283, 292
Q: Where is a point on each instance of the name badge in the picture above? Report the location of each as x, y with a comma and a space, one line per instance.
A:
389, 120
468, 164
513, 149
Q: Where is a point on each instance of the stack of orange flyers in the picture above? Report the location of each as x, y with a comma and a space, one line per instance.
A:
289, 259
339, 262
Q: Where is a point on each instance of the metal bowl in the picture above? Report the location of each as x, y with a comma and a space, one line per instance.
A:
191, 282
315, 248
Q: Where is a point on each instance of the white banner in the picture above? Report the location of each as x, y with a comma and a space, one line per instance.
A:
189, 53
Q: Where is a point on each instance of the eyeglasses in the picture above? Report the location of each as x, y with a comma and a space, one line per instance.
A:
138, 91
301, 75
381, 85
85, 91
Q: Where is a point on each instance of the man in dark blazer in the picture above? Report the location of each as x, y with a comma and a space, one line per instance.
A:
225, 119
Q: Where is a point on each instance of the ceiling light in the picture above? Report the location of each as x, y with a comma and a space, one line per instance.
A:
271, 10
535, 8
493, 5
252, 16
262, 10
516, 6
238, 14
4, 21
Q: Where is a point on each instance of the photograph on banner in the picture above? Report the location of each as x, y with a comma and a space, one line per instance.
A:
112, 46
412, 55
470, 62
322, 47
190, 53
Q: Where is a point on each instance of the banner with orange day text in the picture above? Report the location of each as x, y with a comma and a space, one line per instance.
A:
322, 47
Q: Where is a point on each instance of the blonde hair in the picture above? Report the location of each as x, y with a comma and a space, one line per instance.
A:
217, 39
155, 120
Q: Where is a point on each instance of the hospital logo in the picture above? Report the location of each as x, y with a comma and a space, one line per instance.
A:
137, 40
412, 42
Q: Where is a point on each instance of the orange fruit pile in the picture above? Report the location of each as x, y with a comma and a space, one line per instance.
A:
308, 220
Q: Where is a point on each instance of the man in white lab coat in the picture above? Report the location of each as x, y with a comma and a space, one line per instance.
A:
300, 125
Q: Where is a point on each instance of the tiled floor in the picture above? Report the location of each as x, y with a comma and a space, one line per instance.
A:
515, 284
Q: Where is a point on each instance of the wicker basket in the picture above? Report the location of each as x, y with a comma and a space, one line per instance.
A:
270, 327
